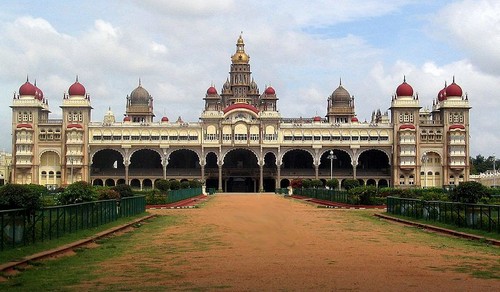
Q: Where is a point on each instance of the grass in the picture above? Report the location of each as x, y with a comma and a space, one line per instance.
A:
12, 254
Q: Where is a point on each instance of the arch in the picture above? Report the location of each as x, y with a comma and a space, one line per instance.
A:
135, 183
373, 162
50, 163
120, 181
110, 182
340, 166
284, 183
241, 171
361, 182
225, 153
107, 162
183, 160
145, 159
97, 182
371, 182
383, 183
287, 152
147, 184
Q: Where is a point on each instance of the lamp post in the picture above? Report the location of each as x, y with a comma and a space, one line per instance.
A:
331, 157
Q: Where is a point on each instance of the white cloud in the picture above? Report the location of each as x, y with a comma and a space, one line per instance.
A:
473, 26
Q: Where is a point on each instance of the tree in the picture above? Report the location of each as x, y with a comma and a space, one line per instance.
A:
194, 184
316, 183
16, 196
469, 192
77, 192
175, 184
333, 184
123, 190
296, 183
162, 185
306, 183
350, 184
185, 184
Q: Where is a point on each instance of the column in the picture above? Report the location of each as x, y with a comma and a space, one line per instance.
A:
278, 183
261, 177
354, 170
316, 171
220, 177
126, 163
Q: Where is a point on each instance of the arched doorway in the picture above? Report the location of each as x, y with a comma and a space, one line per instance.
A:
211, 171
107, 164
339, 166
270, 170
183, 163
298, 163
240, 171
373, 164
49, 165
145, 163
430, 175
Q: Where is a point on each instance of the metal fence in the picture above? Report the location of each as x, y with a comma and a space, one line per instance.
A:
182, 194
19, 227
324, 194
474, 216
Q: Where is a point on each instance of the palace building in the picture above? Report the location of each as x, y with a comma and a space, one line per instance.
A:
241, 142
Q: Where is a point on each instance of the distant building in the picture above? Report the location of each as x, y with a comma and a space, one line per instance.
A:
241, 142
5, 167
490, 178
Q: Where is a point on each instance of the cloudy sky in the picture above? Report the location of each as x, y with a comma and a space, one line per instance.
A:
179, 48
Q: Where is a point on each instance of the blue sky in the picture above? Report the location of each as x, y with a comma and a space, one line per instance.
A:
302, 49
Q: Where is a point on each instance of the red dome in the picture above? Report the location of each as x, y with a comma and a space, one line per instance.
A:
354, 120
211, 90
270, 90
317, 119
126, 119
27, 89
76, 89
404, 89
442, 94
39, 92
164, 119
453, 90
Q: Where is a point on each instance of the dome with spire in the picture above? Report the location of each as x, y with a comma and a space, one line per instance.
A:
27, 89
211, 90
77, 89
341, 94
453, 89
404, 89
442, 93
270, 90
139, 96
240, 57
39, 92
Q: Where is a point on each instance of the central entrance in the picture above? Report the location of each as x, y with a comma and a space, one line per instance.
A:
240, 171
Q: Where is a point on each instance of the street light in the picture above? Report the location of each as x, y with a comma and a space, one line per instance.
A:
331, 157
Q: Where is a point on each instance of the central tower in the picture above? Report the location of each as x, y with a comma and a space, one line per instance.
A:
240, 88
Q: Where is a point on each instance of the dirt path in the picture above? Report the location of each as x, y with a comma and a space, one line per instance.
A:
269, 243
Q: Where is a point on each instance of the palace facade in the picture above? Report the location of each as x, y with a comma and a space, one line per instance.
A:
241, 142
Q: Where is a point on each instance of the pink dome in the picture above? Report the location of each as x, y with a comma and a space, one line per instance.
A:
126, 119
317, 119
270, 90
164, 119
27, 89
453, 90
404, 89
211, 90
76, 89
354, 120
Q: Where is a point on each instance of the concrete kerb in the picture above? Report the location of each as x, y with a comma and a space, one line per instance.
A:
440, 229
70, 246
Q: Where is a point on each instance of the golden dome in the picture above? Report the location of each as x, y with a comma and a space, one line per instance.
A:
240, 57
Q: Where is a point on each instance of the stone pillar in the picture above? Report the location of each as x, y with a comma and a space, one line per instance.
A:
316, 171
261, 177
278, 183
220, 177
126, 163
202, 175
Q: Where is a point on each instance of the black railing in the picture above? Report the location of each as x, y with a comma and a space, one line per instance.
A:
474, 216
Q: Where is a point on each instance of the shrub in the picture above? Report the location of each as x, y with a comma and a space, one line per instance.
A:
77, 192
364, 195
175, 185
162, 185
350, 184
123, 190
469, 192
107, 194
316, 183
194, 184
332, 183
185, 184
153, 198
306, 184
15, 196
296, 183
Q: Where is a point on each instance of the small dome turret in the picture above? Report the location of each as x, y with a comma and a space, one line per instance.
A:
453, 89
76, 89
404, 89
